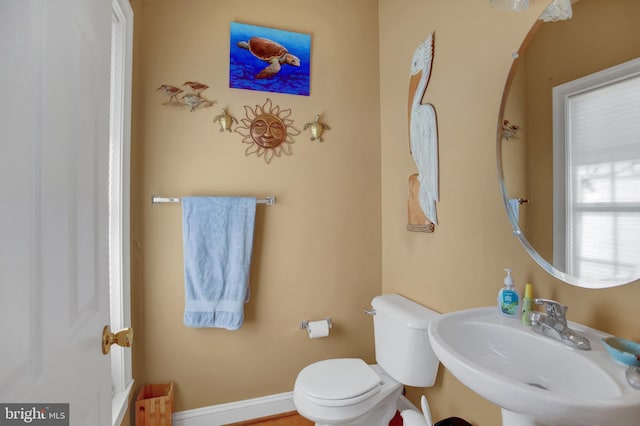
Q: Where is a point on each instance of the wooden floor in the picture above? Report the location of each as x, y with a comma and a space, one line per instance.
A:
294, 419
285, 419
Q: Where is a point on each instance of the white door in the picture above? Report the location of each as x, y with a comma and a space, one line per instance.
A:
54, 124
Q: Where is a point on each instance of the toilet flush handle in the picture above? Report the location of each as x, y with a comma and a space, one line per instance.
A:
370, 312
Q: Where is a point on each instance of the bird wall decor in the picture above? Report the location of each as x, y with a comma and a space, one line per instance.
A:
195, 101
190, 98
423, 137
171, 91
196, 87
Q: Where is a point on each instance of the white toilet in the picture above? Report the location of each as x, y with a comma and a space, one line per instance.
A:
347, 391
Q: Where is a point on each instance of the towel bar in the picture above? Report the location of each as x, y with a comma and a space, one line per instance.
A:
156, 199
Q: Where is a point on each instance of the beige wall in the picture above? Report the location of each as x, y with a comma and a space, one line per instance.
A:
337, 235
316, 252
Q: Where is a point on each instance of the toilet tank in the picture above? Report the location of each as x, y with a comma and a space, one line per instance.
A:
402, 344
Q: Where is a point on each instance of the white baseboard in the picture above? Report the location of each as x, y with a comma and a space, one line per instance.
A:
238, 411
222, 414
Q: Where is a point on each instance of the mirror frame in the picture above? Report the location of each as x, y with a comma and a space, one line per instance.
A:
584, 282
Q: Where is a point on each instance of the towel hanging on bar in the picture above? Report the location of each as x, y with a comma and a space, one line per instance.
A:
156, 199
217, 242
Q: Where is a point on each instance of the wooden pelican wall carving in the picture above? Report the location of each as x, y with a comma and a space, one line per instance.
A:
423, 137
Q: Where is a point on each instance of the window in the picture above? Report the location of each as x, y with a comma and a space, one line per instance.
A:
119, 182
597, 172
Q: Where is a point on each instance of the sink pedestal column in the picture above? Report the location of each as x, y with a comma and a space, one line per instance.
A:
509, 418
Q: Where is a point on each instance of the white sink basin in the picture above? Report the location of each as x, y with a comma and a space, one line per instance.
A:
535, 379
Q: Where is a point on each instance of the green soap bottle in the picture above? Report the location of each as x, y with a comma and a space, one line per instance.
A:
527, 300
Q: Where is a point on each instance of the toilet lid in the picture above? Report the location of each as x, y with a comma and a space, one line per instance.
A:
338, 379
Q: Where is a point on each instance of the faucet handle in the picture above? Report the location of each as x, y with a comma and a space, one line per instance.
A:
554, 309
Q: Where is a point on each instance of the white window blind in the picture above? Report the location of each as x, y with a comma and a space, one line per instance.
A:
597, 198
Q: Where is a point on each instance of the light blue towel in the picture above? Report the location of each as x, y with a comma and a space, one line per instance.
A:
514, 204
217, 235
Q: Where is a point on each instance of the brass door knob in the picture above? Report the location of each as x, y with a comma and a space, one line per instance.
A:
122, 338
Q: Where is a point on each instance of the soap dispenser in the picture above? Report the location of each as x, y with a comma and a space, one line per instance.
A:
508, 298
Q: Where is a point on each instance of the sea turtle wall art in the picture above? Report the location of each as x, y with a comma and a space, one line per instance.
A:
269, 60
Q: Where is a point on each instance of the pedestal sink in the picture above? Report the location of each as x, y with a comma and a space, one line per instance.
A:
536, 380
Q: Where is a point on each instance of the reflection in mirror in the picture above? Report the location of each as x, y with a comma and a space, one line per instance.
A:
574, 229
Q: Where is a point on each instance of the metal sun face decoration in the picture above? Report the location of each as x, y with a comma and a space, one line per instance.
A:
267, 130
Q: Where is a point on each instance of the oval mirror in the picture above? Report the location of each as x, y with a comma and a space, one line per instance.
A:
568, 147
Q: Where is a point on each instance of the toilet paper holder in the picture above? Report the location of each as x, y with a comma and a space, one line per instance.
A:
305, 323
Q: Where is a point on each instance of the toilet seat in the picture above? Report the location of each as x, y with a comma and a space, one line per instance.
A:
338, 382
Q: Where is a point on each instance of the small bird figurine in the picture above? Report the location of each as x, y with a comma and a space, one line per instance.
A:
317, 128
195, 86
171, 91
196, 101
225, 120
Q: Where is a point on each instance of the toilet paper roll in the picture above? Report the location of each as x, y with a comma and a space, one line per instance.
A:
318, 329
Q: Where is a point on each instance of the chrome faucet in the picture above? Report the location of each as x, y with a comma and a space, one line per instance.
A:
553, 322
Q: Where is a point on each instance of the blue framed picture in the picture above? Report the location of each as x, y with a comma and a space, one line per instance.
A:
269, 60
